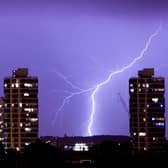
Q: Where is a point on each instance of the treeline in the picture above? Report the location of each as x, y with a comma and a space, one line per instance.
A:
107, 154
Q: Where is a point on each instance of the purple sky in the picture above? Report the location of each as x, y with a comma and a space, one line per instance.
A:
83, 41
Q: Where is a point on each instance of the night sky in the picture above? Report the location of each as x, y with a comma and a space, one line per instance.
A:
72, 46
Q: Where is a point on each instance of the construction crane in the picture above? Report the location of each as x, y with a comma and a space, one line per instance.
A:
123, 103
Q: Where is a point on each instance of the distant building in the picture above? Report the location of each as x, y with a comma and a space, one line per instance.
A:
20, 109
79, 143
147, 111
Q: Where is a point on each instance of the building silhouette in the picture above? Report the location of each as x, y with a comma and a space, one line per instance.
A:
1, 119
147, 111
20, 122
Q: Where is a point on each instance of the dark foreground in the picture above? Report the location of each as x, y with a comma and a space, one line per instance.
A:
99, 156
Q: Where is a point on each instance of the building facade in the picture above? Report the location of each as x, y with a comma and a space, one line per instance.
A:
1, 120
147, 111
20, 110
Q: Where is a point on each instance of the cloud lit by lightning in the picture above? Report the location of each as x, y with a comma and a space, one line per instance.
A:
112, 74
95, 89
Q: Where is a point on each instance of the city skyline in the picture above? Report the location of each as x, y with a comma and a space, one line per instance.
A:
73, 47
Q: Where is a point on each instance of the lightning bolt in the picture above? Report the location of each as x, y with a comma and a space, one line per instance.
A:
70, 94
66, 99
112, 74
67, 81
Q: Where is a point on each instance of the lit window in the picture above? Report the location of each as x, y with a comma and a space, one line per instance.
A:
161, 105
144, 110
142, 133
17, 149
153, 118
28, 85
139, 89
20, 104
34, 119
145, 148
155, 100
134, 133
12, 104
21, 124
1, 139
26, 94
147, 105
12, 85
144, 119
143, 85
26, 109
80, 147
5, 85
0, 105
0, 130
159, 124
131, 85
139, 84
27, 124
27, 143
48, 141
154, 138
27, 114
17, 85
65, 147
29, 109
0, 114
160, 119
131, 90
27, 129
159, 89
147, 85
